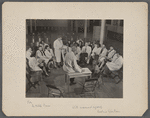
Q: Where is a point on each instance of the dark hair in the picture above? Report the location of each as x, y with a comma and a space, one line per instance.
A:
29, 47
59, 36
46, 47
33, 54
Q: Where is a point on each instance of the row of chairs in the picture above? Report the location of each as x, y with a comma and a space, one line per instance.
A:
88, 86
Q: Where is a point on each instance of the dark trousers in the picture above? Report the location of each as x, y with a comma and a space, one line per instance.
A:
82, 57
71, 80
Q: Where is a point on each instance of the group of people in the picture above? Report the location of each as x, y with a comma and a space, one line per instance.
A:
71, 55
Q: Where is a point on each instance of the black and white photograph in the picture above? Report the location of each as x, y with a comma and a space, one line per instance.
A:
74, 58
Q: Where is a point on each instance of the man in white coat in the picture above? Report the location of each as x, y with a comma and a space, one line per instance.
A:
58, 45
70, 63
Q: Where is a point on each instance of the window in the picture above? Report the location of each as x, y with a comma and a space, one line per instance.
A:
121, 23
108, 22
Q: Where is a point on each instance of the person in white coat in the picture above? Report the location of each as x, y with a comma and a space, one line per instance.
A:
70, 64
58, 46
116, 63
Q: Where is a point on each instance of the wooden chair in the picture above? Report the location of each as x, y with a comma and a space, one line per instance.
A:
53, 90
29, 76
88, 86
118, 74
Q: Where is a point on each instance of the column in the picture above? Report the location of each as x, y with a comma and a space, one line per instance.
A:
118, 22
88, 25
112, 22
35, 24
76, 26
30, 25
102, 31
71, 25
85, 29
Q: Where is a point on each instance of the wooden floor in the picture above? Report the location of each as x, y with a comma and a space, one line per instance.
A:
109, 90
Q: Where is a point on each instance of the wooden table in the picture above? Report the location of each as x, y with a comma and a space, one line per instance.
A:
87, 73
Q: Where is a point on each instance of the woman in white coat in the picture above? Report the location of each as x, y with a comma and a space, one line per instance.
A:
58, 45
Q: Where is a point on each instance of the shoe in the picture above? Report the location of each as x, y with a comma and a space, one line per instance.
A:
46, 75
72, 83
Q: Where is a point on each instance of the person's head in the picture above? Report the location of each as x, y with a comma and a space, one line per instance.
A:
37, 44
29, 49
74, 48
103, 46
40, 48
40, 39
46, 47
80, 43
111, 48
59, 37
95, 45
42, 42
86, 43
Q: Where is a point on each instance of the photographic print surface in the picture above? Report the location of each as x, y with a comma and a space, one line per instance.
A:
75, 58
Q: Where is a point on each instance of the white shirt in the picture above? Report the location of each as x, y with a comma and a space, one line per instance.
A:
111, 53
49, 54
28, 54
86, 49
40, 56
58, 44
70, 63
115, 64
34, 64
96, 51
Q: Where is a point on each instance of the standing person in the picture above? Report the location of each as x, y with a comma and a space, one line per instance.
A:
58, 44
70, 64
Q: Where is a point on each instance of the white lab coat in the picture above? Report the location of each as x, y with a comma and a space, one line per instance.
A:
57, 45
96, 51
34, 64
41, 56
115, 64
49, 54
70, 64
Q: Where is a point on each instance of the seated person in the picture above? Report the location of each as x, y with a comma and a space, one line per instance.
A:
35, 65
101, 60
102, 56
28, 52
85, 53
96, 51
41, 57
114, 65
50, 55
70, 64
110, 53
